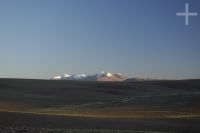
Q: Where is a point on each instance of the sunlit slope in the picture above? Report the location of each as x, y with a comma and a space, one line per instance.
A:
102, 99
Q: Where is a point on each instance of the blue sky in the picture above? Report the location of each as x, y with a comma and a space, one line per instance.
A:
139, 38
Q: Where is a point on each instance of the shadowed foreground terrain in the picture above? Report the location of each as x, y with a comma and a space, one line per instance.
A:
49, 105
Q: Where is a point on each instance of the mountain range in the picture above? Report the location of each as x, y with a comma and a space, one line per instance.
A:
102, 76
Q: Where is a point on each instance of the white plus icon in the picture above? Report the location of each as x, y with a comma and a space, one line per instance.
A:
186, 14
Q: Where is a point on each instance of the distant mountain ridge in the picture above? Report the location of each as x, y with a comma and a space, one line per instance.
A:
102, 76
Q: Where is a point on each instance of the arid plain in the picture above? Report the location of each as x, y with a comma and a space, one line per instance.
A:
158, 106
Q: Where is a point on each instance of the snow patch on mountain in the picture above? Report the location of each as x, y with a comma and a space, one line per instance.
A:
57, 77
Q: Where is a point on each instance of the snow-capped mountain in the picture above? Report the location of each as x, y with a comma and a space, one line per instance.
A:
102, 76
70, 77
106, 76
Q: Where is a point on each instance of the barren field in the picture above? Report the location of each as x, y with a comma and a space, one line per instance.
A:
48, 105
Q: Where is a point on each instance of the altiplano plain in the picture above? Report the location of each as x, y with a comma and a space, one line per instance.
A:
134, 106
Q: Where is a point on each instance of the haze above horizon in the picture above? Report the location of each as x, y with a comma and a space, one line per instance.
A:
138, 38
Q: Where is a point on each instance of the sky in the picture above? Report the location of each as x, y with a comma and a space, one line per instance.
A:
139, 38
